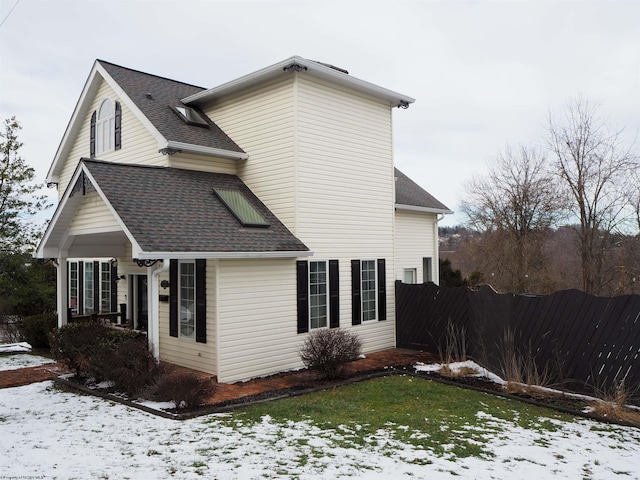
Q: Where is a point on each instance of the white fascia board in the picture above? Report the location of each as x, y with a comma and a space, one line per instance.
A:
88, 92
414, 208
313, 68
90, 86
190, 255
216, 152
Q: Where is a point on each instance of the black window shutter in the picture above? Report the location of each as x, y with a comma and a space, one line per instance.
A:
114, 289
334, 297
118, 127
97, 280
173, 298
201, 301
302, 280
80, 288
92, 136
382, 290
356, 303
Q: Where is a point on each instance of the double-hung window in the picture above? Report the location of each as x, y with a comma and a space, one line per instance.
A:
105, 287
368, 291
318, 301
73, 287
187, 299
88, 306
317, 294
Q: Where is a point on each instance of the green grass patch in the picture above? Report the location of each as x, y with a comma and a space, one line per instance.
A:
446, 420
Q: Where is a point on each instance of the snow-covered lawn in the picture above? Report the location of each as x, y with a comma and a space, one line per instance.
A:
16, 355
47, 433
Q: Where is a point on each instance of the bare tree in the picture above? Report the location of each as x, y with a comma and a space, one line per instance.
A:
514, 206
592, 162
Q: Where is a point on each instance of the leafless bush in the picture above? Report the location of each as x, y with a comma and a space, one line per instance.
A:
9, 331
328, 349
186, 390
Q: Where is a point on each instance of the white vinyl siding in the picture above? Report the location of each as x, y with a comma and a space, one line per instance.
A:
257, 312
187, 353
93, 213
138, 145
416, 237
345, 194
262, 123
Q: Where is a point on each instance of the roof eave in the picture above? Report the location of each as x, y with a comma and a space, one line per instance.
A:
415, 208
224, 255
311, 68
203, 150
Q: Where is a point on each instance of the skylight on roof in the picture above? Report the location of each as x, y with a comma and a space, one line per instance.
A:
190, 116
240, 207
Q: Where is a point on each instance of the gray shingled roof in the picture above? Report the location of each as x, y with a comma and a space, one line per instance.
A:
166, 93
170, 209
409, 192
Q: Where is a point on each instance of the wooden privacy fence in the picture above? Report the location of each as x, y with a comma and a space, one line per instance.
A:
586, 342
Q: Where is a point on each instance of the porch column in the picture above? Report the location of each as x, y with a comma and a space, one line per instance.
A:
62, 291
153, 325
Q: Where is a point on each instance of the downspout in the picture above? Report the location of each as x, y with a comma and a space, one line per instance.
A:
154, 308
436, 261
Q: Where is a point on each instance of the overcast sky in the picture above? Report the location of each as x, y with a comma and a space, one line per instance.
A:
484, 74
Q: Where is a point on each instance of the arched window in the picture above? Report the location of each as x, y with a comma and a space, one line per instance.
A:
106, 128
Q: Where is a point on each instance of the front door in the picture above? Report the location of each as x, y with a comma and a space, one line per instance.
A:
141, 302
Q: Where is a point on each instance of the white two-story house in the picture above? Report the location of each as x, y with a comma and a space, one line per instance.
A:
230, 222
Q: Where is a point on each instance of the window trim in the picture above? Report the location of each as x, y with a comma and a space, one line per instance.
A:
181, 335
326, 295
110, 121
375, 291
303, 294
200, 299
380, 291
414, 275
115, 134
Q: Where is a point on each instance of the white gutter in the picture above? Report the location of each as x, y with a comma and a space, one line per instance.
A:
311, 68
153, 325
218, 152
415, 208
192, 255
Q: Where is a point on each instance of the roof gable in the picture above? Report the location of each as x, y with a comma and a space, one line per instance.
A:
155, 113
411, 196
174, 210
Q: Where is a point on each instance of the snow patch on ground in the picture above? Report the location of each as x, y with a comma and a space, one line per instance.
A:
59, 435
456, 367
13, 357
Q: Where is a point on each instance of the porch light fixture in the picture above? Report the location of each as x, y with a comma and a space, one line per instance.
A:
114, 262
164, 284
